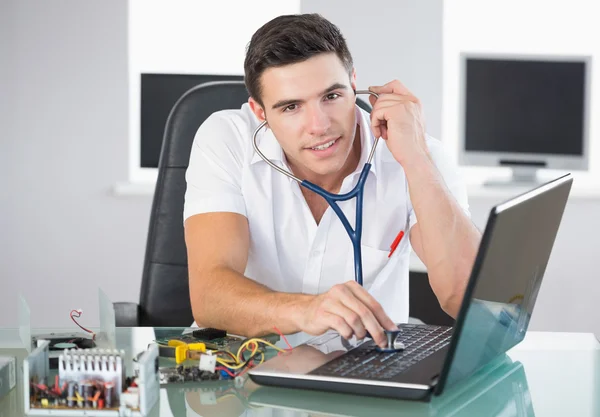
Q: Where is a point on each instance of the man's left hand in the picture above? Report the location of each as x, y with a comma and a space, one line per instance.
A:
397, 118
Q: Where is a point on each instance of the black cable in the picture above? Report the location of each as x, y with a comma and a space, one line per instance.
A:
245, 365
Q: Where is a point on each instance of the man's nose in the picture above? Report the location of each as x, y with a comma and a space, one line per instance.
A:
318, 120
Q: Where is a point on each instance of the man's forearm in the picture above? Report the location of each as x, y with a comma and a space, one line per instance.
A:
449, 239
229, 300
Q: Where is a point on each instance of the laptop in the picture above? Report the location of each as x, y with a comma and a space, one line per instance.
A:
494, 316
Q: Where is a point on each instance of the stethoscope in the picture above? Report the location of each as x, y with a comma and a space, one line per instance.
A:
332, 199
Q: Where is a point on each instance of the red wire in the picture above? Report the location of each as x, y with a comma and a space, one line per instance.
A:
75, 321
244, 371
284, 338
229, 353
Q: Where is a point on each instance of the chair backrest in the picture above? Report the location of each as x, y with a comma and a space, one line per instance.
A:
164, 295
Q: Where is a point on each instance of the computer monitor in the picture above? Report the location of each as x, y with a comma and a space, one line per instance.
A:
525, 112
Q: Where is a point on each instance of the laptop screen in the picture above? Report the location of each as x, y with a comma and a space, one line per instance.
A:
506, 278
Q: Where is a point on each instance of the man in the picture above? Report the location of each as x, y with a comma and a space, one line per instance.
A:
264, 252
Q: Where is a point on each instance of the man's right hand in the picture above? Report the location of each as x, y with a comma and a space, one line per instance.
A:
348, 309
218, 246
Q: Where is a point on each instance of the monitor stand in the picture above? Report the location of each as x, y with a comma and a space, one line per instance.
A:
521, 177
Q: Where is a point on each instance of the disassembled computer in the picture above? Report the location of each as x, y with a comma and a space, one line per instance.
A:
90, 380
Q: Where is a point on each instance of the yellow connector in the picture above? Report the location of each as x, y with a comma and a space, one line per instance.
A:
183, 349
198, 347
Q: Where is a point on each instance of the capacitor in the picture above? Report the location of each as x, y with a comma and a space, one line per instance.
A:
109, 389
71, 394
85, 390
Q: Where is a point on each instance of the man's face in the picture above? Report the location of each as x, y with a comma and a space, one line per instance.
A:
309, 106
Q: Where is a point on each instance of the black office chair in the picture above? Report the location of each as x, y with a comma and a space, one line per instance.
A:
164, 294
423, 303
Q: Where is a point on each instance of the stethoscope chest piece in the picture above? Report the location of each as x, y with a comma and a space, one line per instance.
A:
393, 342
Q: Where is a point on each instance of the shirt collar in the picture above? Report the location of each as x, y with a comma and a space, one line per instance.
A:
268, 145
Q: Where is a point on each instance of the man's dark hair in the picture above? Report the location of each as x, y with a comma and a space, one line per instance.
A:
288, 40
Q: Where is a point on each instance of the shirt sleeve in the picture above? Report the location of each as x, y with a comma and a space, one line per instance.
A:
451, 175
214, 174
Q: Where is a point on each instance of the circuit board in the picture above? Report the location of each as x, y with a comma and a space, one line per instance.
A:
188, 371
86, 379
181, 374
229, 342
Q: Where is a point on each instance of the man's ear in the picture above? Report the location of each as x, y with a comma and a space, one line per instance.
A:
257, 109
353, 79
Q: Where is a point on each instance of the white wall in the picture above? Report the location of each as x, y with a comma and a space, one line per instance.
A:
570, 294
6, 106
392, 39
63, 235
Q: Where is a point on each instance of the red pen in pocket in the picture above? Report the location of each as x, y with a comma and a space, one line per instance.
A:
396, 242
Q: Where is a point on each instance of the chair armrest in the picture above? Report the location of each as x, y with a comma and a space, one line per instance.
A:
127, 314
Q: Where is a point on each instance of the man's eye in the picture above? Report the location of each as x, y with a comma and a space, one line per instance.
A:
291, 107
332, 96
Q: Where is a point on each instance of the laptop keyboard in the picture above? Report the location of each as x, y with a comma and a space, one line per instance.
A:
365, 362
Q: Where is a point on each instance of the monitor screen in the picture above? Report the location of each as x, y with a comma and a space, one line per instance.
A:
524, 106
159, 93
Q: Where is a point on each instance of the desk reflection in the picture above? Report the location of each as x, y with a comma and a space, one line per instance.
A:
499, 389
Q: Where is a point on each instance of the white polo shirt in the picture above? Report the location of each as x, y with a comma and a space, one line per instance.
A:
289, 252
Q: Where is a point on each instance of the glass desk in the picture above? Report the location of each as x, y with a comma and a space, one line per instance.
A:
548, 374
